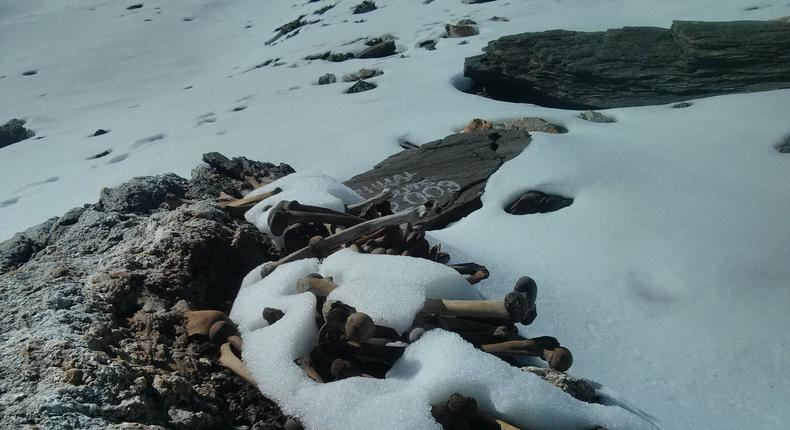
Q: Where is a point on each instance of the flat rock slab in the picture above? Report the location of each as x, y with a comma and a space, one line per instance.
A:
634, 66
452, 172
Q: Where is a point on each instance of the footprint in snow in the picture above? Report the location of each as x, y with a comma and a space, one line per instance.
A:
206, 118
148, 140
117, 158
9, 202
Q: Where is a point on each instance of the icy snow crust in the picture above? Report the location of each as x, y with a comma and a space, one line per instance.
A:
391, 289
668, 277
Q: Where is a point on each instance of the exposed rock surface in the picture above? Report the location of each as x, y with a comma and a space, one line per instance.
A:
452, 172
533, 202
14, 131
362, 74
634, 66
576, 387
593, 116
327, 78
532, 124
91, 333
361, 86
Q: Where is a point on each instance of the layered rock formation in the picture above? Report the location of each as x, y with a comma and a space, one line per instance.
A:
634, 66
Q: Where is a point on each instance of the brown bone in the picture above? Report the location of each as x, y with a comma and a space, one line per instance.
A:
316, 284
320, 247
229, 360
513, 307
200, 322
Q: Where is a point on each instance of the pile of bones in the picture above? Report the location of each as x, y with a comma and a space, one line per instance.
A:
358, 289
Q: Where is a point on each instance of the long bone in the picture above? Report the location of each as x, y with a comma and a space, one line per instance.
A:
229, 360
514, 307
280, 217
547, 348
378, 198
320, 247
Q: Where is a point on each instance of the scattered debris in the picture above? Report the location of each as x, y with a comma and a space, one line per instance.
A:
594, 116
534, 201
14, 131
322, 10
430, 45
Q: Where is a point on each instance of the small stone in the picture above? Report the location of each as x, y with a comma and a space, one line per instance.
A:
428, 44
681, 105
594, 116
383, 49
534, 201
499, 19
478, 124
326, 79
530, 124
14, 131
135, 6
784, 146
365, 7
461, 30
361, 86
29, 72
362, 74
100, 131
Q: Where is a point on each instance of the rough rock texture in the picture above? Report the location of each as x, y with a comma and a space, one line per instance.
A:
326, 79
361, 86
533, 202
634, 66
452, 172
14, 131
532, 124
362, 74
92, 332
579, 388
593, 116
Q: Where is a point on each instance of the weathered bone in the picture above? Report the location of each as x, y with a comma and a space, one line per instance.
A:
378, 198
558, 357
200, 322
359, 327
321, 246
477, 276
316, 284
513, 307
229, 360
307, 366
249, 200
281, 217
221, 330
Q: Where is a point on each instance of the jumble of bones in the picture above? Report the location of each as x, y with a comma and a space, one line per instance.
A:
350, 344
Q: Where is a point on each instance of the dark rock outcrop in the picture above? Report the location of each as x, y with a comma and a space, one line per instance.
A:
533, 202
361, 86
14, 131
451, 172
634, 66
92, 333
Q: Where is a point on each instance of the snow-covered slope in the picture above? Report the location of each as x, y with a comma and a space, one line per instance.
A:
668, 276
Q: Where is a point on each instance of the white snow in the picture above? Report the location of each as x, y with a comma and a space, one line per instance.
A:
668, 277
308, 188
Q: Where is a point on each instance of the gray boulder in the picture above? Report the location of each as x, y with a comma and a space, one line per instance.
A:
92, 331
14, 131
634, 66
